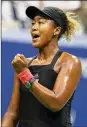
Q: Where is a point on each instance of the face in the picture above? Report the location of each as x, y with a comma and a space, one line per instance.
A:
42, 31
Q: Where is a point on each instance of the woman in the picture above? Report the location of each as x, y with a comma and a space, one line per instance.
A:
44, 85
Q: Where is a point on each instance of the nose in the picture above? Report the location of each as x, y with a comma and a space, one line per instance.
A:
35, 27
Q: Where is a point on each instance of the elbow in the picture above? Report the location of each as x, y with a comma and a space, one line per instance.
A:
55, 106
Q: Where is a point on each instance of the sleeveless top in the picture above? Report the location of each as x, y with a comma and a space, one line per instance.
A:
34, 114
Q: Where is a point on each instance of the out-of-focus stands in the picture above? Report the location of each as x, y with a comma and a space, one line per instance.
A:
82, 12
14, 11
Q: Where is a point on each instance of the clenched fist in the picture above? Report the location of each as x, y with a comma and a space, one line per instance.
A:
19, 63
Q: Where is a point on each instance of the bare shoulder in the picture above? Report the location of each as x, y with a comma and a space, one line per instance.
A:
72, 58
72, 61
68, 60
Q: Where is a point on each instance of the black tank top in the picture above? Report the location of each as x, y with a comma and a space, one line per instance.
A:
31, 112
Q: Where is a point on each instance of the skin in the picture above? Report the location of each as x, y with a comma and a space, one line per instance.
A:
67, 66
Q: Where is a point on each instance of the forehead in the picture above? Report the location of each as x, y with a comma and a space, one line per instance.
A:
38, 17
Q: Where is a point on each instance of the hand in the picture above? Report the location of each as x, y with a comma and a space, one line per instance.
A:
19, 63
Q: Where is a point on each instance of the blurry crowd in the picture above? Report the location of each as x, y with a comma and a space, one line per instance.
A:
82, 12
13, 12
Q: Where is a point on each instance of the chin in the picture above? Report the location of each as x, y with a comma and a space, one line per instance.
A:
36, 45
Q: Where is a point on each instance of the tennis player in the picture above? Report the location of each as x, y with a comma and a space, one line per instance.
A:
44, 85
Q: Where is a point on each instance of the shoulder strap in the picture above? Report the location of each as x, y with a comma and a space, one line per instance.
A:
57, 55
31, 60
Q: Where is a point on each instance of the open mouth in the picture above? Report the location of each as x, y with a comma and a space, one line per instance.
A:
35, 36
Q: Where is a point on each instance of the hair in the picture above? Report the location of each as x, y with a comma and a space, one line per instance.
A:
73, 25
70, 24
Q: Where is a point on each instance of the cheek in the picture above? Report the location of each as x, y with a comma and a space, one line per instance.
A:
46, 33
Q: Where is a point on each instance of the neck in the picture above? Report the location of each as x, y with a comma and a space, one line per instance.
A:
48, 51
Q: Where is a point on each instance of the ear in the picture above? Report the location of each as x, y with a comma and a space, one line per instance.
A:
57, 31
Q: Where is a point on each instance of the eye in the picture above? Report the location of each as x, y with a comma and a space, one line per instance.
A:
41, 22
33, 22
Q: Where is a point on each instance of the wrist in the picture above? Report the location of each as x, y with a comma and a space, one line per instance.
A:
27, 78
30, 83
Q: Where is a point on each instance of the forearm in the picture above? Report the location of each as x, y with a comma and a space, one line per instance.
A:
43, 94
9, 119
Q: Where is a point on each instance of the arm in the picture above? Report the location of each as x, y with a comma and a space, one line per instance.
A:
11, 115
64, 86
69, 69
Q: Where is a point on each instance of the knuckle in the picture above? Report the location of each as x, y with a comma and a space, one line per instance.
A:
22, 55
18, 54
